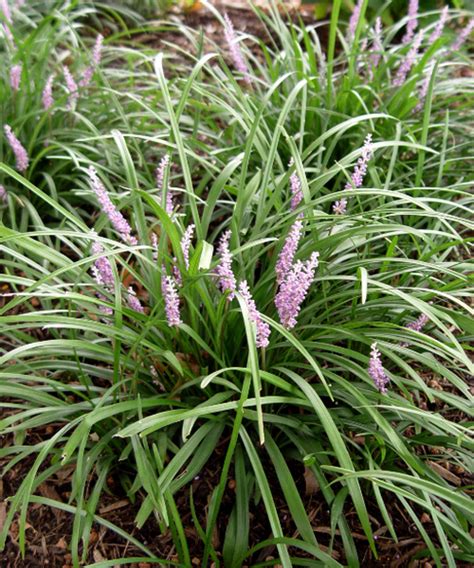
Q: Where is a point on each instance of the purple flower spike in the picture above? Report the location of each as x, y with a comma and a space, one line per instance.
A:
234, 48
227, 282
416, 325
47, 95
116, 218
21, 154
15, 77
465, 33
186, 244
360, 170
160, 178
71, 87
262, 328
102, 269
171, 298
97, 51
8, 34
376, 370
134, 302
177, 273
294, 289
377, 46
422, 92
436, 34
6, 11
3, 194
419, 323
295, 186
412, 21
357, 177
355, 19
154, 244
340, 207
96, 57
287, 254
408, 61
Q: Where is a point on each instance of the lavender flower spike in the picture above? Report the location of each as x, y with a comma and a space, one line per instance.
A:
376, 370
227, 282
234, 48
47, 96
102, 269
171, 298
3, 194
96, 57
422, 92
360, 170
8, 34
408, 61
116, 218
71, 87
15, 77
377, 46
412, 21
416, 325
21, 154
160, 178
436, 34
294, 289
419, 323
357, 177
154, 244
6, 11
186, 243
295, 186
465, 33
355, 19
133, 301
262, 328
285, 258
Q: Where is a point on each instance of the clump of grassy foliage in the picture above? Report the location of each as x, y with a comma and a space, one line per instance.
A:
130, 395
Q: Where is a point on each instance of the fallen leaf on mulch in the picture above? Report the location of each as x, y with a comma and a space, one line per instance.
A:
445, 473
114, 506
312, 485
3, 515
98, 556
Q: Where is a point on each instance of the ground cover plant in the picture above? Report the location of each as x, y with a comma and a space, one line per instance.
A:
236, 290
